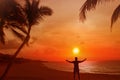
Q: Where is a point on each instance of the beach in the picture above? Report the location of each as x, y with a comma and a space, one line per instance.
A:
34, 70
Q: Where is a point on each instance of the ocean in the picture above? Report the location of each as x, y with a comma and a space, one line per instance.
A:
97, 67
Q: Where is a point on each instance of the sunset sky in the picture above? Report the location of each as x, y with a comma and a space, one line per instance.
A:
54, 38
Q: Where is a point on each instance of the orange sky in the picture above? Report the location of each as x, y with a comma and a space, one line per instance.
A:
55, 37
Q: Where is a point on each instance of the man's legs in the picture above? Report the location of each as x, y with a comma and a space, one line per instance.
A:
74, 75
78, 75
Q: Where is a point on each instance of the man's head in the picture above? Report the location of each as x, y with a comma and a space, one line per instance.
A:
76, 58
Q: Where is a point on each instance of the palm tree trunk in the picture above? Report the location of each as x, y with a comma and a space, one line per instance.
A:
15, 55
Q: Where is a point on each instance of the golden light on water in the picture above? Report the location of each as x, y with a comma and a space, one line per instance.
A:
76, 51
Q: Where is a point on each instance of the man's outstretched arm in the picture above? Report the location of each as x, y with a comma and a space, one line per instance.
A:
82, 60
69, 61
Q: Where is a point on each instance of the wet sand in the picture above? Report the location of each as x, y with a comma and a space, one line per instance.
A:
37, 71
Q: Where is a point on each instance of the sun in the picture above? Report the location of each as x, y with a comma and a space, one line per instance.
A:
76, 51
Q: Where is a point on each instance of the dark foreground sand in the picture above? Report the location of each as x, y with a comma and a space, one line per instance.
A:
37, 71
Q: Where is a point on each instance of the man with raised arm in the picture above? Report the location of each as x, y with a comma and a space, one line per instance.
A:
76, 66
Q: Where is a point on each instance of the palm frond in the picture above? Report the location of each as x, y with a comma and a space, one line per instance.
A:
2, 36
17, 34
17, 14
115, 15
34, 12
87, 6
17, 26
45, 11
29, 8
12, 11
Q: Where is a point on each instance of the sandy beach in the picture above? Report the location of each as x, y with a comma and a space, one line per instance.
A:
37, 71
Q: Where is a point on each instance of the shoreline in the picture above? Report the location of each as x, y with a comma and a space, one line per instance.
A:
91, 67
37, 71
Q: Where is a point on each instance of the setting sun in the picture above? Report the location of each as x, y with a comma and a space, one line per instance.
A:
76, 51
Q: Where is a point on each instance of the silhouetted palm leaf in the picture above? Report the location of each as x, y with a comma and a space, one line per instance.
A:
115, 15
2, 34
18, 34
34, 12
11, 11
31, 11
2, 39
44, 11
19, 27
91, 4
87, 6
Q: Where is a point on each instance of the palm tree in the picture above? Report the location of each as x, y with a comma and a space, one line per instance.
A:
31, 13
91, 4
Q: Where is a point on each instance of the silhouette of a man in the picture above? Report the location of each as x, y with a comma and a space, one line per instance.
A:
76, 66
